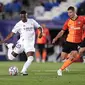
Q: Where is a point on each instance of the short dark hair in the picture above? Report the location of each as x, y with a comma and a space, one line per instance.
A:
23, 12
71, 8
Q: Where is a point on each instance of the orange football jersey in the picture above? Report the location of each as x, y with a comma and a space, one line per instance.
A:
75, 28
43, 39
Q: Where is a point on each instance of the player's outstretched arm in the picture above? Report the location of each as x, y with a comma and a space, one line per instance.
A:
60, 34
7, 38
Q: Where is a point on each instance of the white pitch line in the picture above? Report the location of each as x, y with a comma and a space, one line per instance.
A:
43, 71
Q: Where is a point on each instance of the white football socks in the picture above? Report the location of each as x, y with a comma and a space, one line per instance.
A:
27, 64
10, 49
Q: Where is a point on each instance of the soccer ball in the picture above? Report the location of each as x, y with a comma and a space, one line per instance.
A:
13, 71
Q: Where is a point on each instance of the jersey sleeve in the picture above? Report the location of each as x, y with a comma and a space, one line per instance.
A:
15, 29
36, 25
65, 26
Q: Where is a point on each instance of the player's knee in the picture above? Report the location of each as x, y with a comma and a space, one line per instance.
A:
71, 57
73, 54
62, 57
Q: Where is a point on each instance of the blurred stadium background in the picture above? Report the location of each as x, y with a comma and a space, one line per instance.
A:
52, 13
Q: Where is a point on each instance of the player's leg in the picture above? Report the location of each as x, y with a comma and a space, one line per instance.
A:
82, 48
69, 61
10, 50
63, 54
15, 51
37, 53
27, 63
67, 68
80, 54
44, 53
64, 57
29, 50
74, 55
68, 47
65, 51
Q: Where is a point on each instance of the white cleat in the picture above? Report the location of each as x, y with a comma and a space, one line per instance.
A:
59, 72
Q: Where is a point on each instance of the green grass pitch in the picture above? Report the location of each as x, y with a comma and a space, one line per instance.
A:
43, 74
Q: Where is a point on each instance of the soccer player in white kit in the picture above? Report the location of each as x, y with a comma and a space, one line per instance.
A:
26, 28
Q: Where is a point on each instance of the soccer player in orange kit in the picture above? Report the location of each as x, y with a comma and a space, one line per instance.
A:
75, 27
41, 43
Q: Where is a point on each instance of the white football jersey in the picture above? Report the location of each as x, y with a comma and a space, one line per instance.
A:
26, 29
